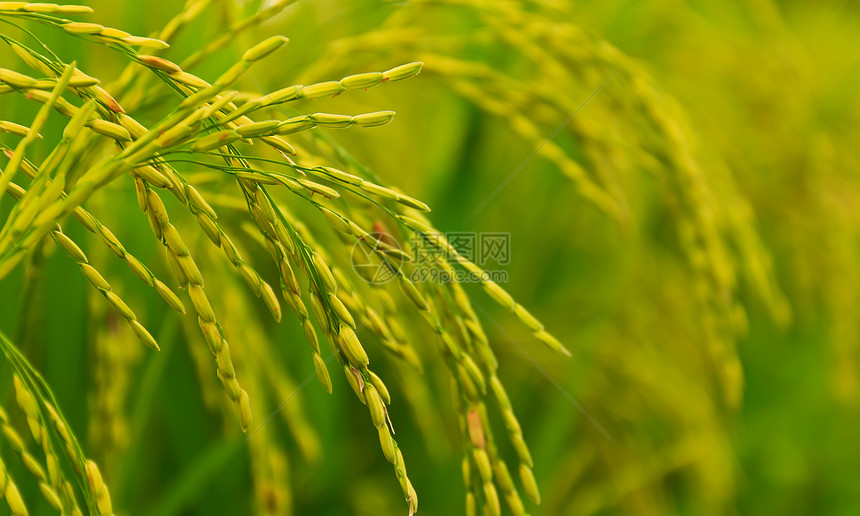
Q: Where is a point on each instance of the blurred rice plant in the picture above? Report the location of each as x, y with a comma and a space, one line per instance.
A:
687, 227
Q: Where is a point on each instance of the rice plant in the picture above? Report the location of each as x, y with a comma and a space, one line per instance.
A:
206, 136
223, 290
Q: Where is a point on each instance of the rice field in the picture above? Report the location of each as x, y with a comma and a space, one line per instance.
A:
481, 257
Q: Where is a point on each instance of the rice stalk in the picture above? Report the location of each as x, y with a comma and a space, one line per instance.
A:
211, 125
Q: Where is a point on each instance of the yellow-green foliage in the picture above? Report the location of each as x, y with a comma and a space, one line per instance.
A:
678, 179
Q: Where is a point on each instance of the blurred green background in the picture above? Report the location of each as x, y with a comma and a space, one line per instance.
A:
764, 97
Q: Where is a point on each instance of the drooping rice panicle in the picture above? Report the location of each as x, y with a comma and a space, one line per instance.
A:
207, 220
369, 312
291, 291
325, 89
190, 278
187, 194
42, 189
422, 228
350, 353
561, 46
468, 372
11, 494
46, 422
110, 240
556, 47
47, 485
166, 134
19, 223
96, 279
212, 121
356, 354
98, 487
43, 8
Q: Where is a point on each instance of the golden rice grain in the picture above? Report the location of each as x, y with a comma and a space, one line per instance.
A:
16, 129
99, 489
362, 80
322, 89
491, 500
14, 500
405, 71
529, 483
264, 48
375, 406
341, 311
380, 387
412, 294
322, 269
245, 411
255, 129
386, 443
373, 119
351, 347
15, 79
159, 63
471, 505
322, 372
353, 377
482, 463
138, 41
83, 28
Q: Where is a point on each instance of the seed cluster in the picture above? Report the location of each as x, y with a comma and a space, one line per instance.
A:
47, 428
209, 128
